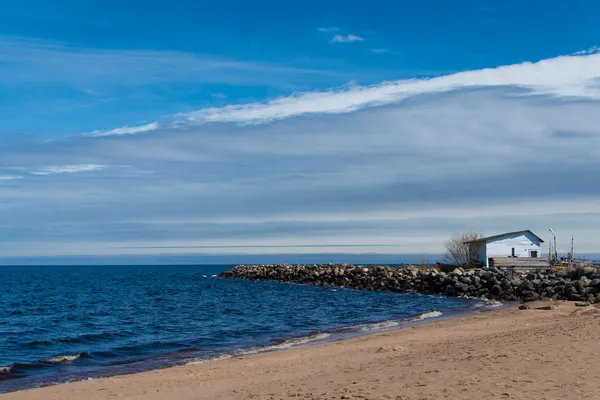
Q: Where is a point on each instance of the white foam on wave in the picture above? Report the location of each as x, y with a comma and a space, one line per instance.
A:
63, 359
295, 342
281, 346
6, 369
427, 315
492, 304
210, 359
379, 325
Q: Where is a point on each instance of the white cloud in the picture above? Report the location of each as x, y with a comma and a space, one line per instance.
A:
328, 29
9, 177
68, 169
347, 38
126, 130
566, 76
591, 50
379, 51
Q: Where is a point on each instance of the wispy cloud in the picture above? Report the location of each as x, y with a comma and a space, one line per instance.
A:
328, 29
347, 38
68, 169
126, 130
566, 76
591, 50
26, 62
569, 76
9, 177
379, 51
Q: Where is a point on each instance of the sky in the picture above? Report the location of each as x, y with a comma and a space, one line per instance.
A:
238, 128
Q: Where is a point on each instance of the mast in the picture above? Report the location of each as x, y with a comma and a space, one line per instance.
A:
572, 251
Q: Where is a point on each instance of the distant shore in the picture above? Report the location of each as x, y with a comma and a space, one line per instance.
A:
505, 353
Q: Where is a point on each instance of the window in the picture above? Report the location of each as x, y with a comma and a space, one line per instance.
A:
534, 254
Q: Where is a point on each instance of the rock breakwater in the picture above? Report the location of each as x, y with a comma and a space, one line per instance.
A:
576, 285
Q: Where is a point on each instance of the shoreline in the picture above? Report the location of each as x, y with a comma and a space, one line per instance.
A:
526, 354
285, 343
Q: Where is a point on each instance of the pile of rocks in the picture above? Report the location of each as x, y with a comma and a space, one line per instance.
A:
491, 283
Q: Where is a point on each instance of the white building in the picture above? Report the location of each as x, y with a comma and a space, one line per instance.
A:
521, 248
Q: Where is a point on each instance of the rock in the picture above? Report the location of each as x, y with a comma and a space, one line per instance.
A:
575, 297
466, 280
529, 295
526, 286
496, 291
524, 306
515, 282
586, 304
548, 307
461, 287
577, 285
587, 271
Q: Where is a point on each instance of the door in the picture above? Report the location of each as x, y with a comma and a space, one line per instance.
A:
534, 253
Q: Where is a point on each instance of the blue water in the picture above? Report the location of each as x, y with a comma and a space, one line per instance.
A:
119, 319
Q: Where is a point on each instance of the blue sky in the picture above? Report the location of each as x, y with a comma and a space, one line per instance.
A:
140, 128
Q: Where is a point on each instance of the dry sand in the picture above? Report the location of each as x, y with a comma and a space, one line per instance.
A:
501, 354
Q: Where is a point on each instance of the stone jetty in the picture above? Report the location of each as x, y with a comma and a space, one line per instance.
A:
581, 284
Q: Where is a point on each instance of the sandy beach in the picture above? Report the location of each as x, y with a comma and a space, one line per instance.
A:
505, 353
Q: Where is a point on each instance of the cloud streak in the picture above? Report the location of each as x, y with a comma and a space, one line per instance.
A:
126, 130
566, 76
68, 169
347, 38
562, 77
27, 62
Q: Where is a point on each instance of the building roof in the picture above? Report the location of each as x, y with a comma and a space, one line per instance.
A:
487, 239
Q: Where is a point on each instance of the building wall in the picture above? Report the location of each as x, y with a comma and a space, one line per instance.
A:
522, 243
480, 251
482, 254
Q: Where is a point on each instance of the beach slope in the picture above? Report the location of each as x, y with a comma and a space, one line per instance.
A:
501, 354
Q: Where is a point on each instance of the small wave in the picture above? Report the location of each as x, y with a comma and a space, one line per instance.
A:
65, 359
82, 339
287, 344
427, 315
15, 370
379, 325
7, 369
489, 304
296, 342
209, 359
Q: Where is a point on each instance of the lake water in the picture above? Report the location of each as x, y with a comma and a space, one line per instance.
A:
60, 324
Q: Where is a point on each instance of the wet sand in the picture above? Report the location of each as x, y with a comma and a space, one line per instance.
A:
501, 354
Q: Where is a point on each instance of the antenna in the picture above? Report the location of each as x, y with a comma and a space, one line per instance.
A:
572, 250
555, 258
